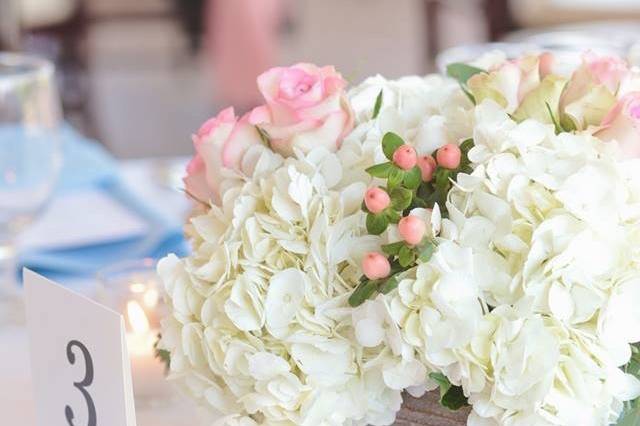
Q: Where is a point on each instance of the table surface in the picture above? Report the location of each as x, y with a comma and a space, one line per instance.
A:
16, 401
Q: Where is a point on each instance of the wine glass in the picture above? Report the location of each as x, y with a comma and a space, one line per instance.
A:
30, 158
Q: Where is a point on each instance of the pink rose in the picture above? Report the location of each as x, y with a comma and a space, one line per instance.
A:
606, 70
220, 143
305, 107
622, 124
591, 91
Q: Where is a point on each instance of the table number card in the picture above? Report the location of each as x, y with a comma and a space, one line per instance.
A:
80, 368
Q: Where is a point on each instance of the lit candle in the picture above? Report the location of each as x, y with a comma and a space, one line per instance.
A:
146, 369
131, 288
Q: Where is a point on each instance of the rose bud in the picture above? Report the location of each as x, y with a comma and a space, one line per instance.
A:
412, 229
449, 156
405, 157
427, 166
375, 266
376, 200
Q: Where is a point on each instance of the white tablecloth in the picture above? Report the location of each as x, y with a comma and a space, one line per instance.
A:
16, 393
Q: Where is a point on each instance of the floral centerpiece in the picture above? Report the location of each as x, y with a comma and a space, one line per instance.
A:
477, 234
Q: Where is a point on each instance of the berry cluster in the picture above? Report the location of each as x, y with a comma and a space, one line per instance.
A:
411, 182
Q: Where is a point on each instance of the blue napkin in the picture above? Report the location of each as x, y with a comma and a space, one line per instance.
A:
88, 164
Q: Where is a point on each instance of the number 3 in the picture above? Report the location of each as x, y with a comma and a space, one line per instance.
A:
82, 385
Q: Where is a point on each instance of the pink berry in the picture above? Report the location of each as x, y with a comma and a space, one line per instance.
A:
375, 266
412, 229
448, 156
376, 200
427, 166
405, 157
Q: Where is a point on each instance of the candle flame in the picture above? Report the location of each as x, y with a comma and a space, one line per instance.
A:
150, 298
137, 318
137, 287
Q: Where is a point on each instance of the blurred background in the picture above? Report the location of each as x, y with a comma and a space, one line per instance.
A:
140, 76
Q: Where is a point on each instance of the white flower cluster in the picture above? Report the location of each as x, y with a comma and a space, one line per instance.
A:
260, 329
529, 302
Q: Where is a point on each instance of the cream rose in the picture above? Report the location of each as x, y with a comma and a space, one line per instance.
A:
306, 107
591, 91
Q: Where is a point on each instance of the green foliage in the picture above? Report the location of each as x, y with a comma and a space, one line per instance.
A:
631, 411
389, 285
391, 142
426, 251
380, 170
462, 72
554, 120
393, 216
392, 249
451, 396
264, 136
406, 256
407, 191
412, 178
400, 198
162, 354
466, 146
377, 223
395, 178
377, 105
364, 290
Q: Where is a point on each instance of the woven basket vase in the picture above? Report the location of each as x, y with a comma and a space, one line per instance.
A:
426, 411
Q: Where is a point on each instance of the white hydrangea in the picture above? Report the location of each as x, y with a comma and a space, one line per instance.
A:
259, 325
528, 302
260, 329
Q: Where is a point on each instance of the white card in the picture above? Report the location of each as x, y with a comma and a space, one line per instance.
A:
80, 368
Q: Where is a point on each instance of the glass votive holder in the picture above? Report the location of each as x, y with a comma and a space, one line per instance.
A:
132, 289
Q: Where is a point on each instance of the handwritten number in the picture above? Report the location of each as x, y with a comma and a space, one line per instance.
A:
82, 385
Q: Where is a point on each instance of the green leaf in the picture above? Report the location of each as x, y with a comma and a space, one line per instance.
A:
393, 216
377, 223
412, 178
380, 170
469, 95
406, 256
451, 396
389, 285
264, 136
163, 355
441, 380
454, 398
400, 198
630, 415
364, 290
466, 146
557, 126
392, 249
462, 72
391, 142
378, 104
395, 177
426, 251
442, 178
